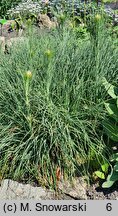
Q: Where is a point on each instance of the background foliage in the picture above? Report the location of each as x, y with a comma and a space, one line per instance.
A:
6, 5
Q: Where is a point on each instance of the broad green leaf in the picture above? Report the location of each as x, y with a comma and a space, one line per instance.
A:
100, 174
114, 157
111, 130
113, 176
116, 167
105, 167
111, 89
112, 110
107, 184
3, 21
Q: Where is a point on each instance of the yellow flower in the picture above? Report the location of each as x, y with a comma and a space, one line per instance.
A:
70, 24
28, 74
48, 53
97, 17
62, 17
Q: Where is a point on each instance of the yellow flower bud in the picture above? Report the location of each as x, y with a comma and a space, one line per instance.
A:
62, 17
28, 74
70, 24
97, 17
48, 53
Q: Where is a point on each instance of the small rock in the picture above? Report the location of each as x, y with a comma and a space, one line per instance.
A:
8, 25
2, 43
76, 189
44, 21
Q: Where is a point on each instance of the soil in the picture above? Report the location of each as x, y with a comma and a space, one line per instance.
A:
95, 192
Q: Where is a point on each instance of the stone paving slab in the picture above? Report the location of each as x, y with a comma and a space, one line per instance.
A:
13, 190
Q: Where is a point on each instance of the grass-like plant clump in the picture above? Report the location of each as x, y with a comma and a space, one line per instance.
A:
51, 104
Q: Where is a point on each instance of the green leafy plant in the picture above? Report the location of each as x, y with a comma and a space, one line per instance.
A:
113, 176
111, 124
111, 129
2, 22
103, 172
19, 22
